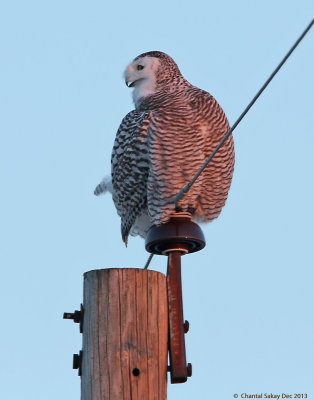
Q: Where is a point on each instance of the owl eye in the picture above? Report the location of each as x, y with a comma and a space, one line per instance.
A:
140, 67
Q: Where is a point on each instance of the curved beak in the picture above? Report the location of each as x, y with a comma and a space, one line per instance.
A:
129, 84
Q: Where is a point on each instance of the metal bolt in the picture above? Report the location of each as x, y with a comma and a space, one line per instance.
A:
186, 326
189, 370
68, 315
77, 317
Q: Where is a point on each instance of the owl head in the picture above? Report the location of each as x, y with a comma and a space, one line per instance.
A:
149, 73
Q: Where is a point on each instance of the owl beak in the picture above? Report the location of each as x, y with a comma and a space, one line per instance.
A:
130, 84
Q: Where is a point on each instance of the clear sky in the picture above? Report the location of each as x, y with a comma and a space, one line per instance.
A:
249, 294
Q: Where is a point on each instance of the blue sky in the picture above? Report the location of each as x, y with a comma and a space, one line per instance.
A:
249, 294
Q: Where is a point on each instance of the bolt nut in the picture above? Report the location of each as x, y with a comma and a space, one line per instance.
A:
77, 316
186, 326
189, 370
77, 362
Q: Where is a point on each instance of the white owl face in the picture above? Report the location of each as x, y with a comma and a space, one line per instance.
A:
141, 75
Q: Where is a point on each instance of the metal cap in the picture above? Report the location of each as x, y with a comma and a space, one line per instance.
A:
179, 234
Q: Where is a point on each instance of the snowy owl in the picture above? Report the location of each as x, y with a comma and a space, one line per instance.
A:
160, 146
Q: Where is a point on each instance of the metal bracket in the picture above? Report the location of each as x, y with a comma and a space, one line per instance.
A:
177, 237
77, 362
178, 367
77, 316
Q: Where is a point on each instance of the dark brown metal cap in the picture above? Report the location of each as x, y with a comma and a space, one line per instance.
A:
180, 233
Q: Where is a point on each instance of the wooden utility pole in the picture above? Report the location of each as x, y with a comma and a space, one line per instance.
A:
125, 335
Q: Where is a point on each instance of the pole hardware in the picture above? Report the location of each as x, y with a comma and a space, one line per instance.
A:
177, 237
77, 362
180, 229
189, 370
186, 326
77, 316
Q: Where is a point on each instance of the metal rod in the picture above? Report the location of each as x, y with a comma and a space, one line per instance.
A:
178, 367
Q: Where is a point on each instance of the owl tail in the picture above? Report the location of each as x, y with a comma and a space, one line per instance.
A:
104, 186
125, 230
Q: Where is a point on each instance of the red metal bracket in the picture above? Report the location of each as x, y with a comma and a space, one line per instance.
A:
178, 367
173, 239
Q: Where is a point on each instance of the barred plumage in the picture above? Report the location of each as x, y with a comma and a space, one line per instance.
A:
162, 143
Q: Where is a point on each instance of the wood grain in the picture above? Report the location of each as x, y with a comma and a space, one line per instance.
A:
125, 335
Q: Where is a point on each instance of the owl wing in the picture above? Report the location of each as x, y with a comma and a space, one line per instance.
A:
181, 137
129, 169
217, 176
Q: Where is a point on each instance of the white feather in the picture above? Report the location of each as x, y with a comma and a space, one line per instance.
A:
144, 79
141, 225
104, 186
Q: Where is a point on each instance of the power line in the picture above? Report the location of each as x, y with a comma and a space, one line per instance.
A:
186, 188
